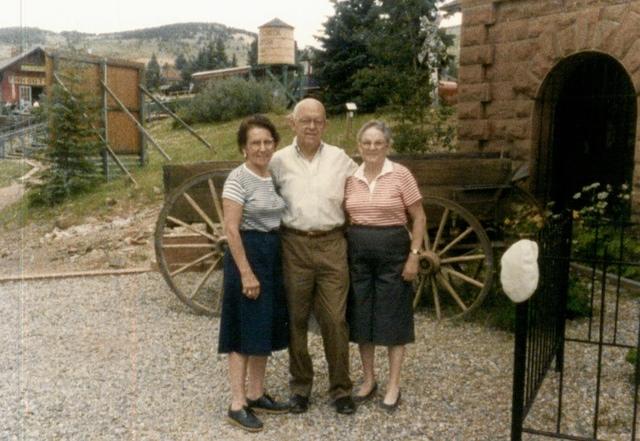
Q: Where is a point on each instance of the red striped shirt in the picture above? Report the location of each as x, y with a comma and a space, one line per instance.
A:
384, 202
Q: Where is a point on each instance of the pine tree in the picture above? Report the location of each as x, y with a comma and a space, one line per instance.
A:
345, 50
152, 73
252, 55
71, 146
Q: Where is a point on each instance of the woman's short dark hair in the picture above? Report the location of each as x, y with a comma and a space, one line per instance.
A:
252, 121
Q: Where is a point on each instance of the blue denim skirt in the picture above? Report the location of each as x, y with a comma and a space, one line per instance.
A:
259, 326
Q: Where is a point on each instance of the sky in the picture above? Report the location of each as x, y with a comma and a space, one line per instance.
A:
99, 16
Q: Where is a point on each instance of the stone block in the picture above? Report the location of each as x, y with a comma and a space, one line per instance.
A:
475, 130
619, 42
501, 71
603, 29
508, 31
502, 91
472, 73
474, 92
548, 46
565, 43
615, 12
473, 35
477, 55
481, 14
517, 51
509, 129
469, 110
509, 109
524, 82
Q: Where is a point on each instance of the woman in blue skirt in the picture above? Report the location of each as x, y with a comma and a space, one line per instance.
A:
254, 318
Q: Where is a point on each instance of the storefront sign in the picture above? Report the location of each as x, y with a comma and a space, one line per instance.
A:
32, 68
27, 81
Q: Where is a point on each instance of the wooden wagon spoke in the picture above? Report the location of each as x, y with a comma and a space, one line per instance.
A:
464, 277
462, 258
436, 298
444, 282
189, 245
216, 201
192, 263
191, 228
199, 210
461, 236
443, 221
418, 295
204, 278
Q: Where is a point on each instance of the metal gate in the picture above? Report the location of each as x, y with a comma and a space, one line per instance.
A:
541, 336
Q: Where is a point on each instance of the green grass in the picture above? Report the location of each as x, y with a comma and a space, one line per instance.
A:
11, 170
183, 149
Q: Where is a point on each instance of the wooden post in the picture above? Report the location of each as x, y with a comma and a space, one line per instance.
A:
106, 144
133, 118
174, 116
105, 122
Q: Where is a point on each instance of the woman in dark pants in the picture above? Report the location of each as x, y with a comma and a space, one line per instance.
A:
254, 318
383, 258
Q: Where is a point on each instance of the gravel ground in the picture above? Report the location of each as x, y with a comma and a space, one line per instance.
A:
113, 358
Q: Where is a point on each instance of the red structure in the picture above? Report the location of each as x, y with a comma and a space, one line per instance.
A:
22, 78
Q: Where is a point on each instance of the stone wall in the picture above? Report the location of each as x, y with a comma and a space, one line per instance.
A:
508, 47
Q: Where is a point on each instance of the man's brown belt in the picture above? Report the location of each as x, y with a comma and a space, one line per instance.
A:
312, 233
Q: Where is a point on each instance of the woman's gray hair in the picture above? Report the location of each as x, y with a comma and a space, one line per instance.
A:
379, 125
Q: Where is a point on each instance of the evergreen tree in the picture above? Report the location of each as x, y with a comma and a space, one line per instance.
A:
234, 61
71, 146
345, 50
180, 62
152, 73
220, 58
252, 55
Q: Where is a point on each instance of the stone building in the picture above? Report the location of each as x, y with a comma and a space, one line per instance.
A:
554, 83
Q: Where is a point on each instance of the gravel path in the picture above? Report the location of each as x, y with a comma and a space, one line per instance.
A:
120, 358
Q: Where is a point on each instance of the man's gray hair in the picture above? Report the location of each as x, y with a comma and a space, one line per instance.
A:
379, 125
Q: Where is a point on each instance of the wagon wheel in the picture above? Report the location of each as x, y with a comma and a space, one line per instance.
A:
456, 265
518, 214
190, 244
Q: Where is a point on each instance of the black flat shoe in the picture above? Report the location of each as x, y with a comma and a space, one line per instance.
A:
345, 405
244, 419
359, 399
298, 404
267, 404
390, 407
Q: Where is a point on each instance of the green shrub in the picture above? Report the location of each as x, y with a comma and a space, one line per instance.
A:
578, 304
231, 98
71, 145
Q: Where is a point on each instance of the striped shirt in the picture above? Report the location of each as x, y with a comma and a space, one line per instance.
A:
384, 201
262, 207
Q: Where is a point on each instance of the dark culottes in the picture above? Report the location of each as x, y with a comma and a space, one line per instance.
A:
255, 327
380, 309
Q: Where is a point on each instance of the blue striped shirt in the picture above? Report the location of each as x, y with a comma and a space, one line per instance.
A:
262, 207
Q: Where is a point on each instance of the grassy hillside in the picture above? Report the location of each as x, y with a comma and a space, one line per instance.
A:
183, 148
167, 42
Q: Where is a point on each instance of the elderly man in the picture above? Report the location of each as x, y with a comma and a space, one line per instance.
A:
310, 175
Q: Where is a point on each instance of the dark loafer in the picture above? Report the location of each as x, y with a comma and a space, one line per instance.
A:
345, 405
391, 407
298, 404
359, 399
267, 404
245, 419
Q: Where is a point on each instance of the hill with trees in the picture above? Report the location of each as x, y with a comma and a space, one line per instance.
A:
167, 42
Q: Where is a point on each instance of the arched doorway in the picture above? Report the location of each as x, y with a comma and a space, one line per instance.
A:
586, 118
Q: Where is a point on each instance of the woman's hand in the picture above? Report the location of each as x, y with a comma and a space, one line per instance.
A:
250, 285
410, 270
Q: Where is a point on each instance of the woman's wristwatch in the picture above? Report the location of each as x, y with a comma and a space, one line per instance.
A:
415, 251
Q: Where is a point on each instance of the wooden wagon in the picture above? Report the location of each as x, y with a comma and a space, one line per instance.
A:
466, 198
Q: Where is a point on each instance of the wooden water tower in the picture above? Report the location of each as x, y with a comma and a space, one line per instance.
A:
277, 57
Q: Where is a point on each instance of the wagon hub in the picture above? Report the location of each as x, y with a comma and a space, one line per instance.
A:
429, 262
